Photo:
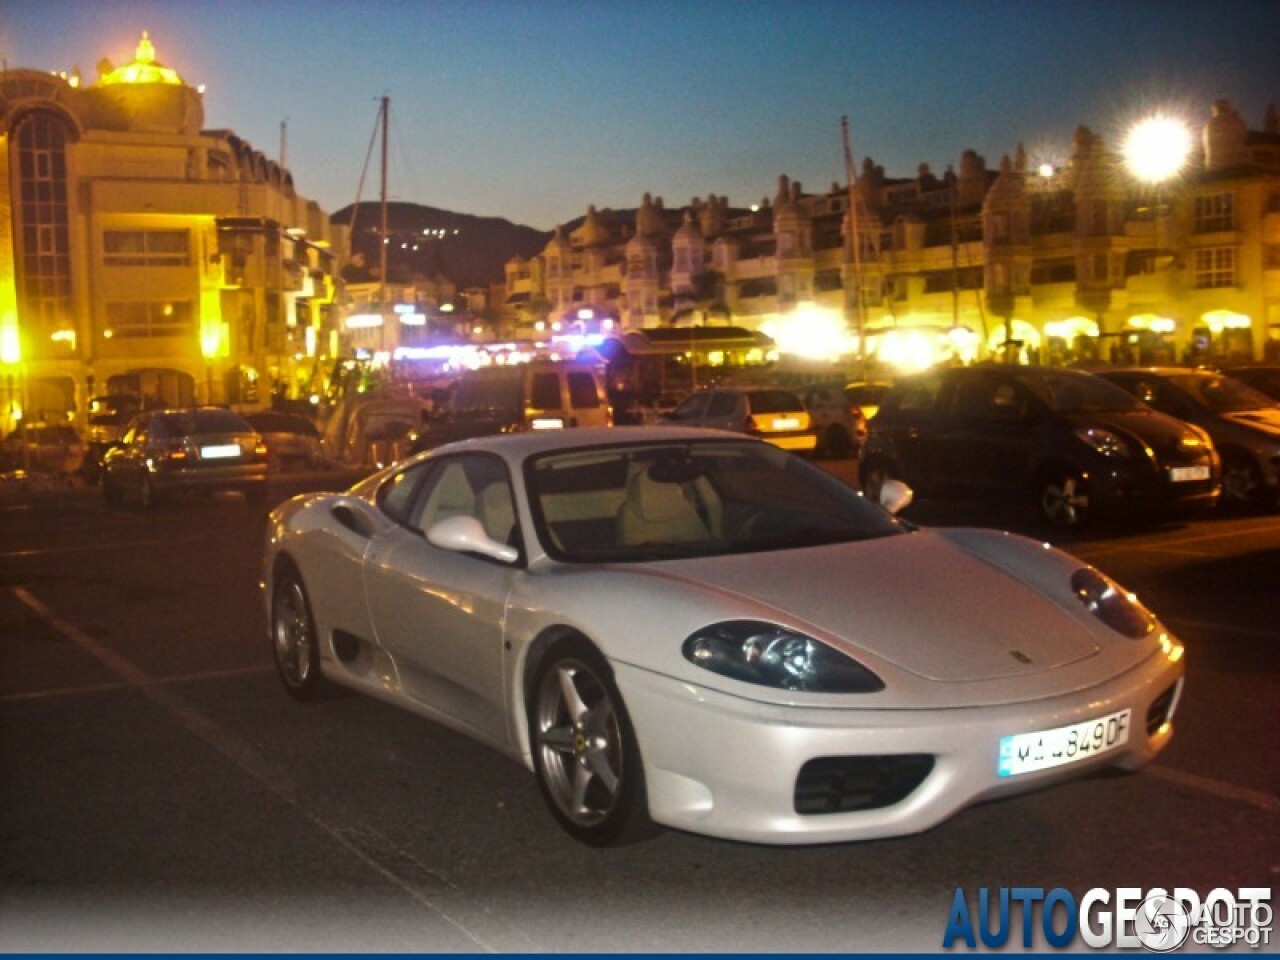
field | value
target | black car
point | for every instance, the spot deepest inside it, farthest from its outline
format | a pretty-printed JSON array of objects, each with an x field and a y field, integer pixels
[
  {"x": 1244, "y": 424},
  {"x": 1070, "y": 443},
  {"x": 1263, "y": 377},
  {"x": 190, "y": 449}
]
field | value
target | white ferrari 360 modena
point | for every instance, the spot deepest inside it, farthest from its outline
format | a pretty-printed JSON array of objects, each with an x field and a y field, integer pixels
[{"x": 695, "y": 629}]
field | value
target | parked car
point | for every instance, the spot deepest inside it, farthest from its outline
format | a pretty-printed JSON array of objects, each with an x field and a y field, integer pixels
[
  {"x": 109, "y": 416},
  {"x": 1263, "y": 377},
  {"x": 367, "y": 432},
  {"x": 1244, "y": 424},
  {"x": 183, "y": 450},
  {"x": 1071, "y": 443},
  {"x": 44, "y": 448},
  {"x": 839, "y": 424},
  {"x": 769, "y": 413},
  {"x": 512, "y": 399},
  {"x": 698, "y": 630},
  {"x": 292, "y": 440}
]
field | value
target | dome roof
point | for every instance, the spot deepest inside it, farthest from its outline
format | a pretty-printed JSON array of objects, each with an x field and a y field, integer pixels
[{"x": 144, "y": 68}]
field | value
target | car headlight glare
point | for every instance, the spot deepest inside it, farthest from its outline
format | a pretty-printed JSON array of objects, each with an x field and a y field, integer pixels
[
  {"x": 1111, "y": 603},
  {"x": 1105, "y": 442},
  {"x": 772, "y": 656}
]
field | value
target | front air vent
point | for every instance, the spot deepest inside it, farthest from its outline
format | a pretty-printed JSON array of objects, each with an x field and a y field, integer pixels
[{"x": 844, "y": 784}]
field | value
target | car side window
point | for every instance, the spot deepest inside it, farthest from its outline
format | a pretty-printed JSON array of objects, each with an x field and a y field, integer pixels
[
  {"x": 468, "y": 485},
  {"x": 691, "y": 408},
  {"x": 396, "y": 496},
  {"x": 722, "y": 404}
]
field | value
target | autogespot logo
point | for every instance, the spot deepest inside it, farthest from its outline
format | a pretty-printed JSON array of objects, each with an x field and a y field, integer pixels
[{"x": 1127, "y": 918}]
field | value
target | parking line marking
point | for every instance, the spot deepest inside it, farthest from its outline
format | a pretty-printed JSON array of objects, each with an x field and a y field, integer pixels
[
  {"x": 62, "y": 692},
  {"x": 356, "y": 839},
  {"x": 1218, "y": 788},
  {"x": 1254, "y": 632},
  {"x": 113, "y": 545}
]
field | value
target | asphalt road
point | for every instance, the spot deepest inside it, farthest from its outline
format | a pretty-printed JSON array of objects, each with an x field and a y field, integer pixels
[{"x": 159, "y": 791}]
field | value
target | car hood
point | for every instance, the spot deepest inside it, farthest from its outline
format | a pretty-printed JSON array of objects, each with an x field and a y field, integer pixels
[
  {"x": 1264, "y": 420},
  {"x": 952, "y": 607},
  {"x": 1156, "y": 429}
]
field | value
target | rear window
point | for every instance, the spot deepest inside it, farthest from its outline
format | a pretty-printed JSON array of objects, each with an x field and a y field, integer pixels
[
  {"x": 194, "y": 423},
  {"x": 478, "y": 393},
  {"x": 583, "y": 394},
  {"x": 544, "y": 391},
  {"x": 774, "y": 401}
]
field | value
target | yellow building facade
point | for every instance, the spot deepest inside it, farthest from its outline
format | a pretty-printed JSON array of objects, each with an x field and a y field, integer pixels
[
  {"x": 142, "y": 254},
  {"x": 1082, "y": 262}
]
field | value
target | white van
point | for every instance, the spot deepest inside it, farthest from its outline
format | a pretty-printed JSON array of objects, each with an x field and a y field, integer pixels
[{"x": 511, "y": 399}]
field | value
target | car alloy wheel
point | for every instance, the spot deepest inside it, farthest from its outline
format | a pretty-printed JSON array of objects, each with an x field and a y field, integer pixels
[
  {"x": 293, "y": 637},
  {"x": 585, "y": 753},
  {"x": 147, "y": 496},
  {"x": 110, "y": 491},
  {"x": 1241, "y": 483},
  {"x": 1064, "y": 500}
]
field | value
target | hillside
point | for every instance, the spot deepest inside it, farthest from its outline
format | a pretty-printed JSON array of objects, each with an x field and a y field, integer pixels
[{"x": 468, "y": 250}]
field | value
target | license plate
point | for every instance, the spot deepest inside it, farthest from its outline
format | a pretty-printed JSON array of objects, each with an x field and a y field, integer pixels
[
  {"x": 1186, "y": 474},
  {"x": 1025, "y": 752},
  {"x": 547, "y": 423},
  {"x": 786, "y": 423},
  {"x": 220, "y": 451}
]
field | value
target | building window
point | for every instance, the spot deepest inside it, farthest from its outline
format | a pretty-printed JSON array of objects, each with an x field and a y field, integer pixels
[
  {"x": 144, "y": 319},
  {"x": 1215, "y": 267},
  {"x": 42, "y": 222},
  {"x": 146, "y": 248},
  {"x": 1215, "y": 213}
]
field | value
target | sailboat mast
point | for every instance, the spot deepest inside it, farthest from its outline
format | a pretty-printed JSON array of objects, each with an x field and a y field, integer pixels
[
  {"x": 382, "y": 252},
  {"x": 855, "y": 232}
]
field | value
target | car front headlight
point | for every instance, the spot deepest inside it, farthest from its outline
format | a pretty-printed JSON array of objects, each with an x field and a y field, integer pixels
[
  {"x": 1106, "y": 442},
  {"x": 1111, "y": 603},
  {"x": 772, "y": 656}
]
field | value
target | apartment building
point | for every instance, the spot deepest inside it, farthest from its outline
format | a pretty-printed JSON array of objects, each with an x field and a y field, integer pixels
[
  {"x": 1076, "y": 262},
  {"x": 141, "y": 253}
]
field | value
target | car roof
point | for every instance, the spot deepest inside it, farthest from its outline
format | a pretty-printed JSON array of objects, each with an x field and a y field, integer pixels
[{"x": 520, "y": 445}]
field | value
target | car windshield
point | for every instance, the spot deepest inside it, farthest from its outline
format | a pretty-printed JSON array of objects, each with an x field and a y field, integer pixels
[
  {"x": 649, "y": 501},
  {"x": 1221, "y": 394},
  {"x": 1074, "y": 393}
]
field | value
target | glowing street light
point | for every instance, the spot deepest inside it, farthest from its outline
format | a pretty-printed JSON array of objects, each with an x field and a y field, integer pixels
[{"x": 1157, "y": 148}]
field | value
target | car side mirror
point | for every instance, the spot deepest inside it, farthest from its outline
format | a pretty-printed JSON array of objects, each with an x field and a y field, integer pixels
[
  {"x": 895, "y": 496},
  {"x": 464, "y": 534}
]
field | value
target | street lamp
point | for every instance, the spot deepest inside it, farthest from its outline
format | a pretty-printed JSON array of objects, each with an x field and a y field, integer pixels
[{"x": 1156, "y": 149}]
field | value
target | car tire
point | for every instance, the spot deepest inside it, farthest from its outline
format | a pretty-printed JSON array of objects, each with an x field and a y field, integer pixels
[
  {"x": 1242, "y": 484},
  {"x": 585, "y": 752},
  {"x": 1062, "y": 499},
  {"x": 148, "y": 496},
  {"x": 294, "y": 644},
  {"x": 871, "y": 478},
  {"x": 110, "y": 491}
]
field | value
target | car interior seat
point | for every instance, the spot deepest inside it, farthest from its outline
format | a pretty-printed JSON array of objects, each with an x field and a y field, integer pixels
[{"x": 657, "y": 510}]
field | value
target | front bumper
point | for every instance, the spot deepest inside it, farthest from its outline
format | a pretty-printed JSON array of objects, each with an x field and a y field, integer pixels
[{"x": 728, "y": 767}]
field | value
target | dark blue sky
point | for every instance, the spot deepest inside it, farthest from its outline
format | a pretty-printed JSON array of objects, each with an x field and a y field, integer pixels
[{"x": 532, "y": 110}]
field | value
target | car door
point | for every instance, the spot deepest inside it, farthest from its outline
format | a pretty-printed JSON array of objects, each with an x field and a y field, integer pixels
[
  {"x": 726, "y": 410},
  {"x": 439, "y": 613},
  {"x": 990, "y": 441},
  {"x": 690, "y": 410}
]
